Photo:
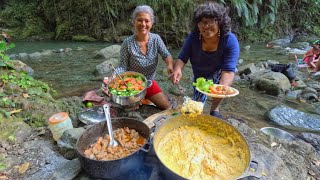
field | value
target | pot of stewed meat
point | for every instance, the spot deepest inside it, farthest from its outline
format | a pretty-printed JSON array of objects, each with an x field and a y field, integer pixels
[{"x": 99, "y": 160}]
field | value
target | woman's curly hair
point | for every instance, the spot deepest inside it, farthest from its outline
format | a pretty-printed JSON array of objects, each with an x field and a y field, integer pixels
[{"x": 212, "y": 10}]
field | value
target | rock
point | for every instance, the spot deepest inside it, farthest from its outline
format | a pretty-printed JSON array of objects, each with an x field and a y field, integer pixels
[
  {"x": 246, "y": 48},
  {"x": 22, "y": 67},
  {"x": 240, "y": 61},
  {"x": 273, "y": 83},
  {"x": 300, "y": 85},
  {"x": 316, "y": 106},
  {"x": 309, "y": 96},
  {"x": 35, "y": 55},
  {"x": 13, "y": 56},
  {"x": 294, "y": 119},
  {"x": 271, "y": 164},
  {"x": 309, "y": 90},
  {"x": 68, "y": 142},
  {"x": 312, "y": 139},
  {"x": 247, "y": 69},
  {"x": 67, "y": 170},
  {"x": 47, "y": 155},
  {"x": 314, "y": 86},
  {"x": 23, "y": 56},
  {"x": 109, "y": 52},
  {"x": 271, "y": 62},
  {"x": 17, "y": 131},
  {"x": 294, "y": 94},
  {"x": 46, "y": 52},
  {"x": 104, "y": 68}
]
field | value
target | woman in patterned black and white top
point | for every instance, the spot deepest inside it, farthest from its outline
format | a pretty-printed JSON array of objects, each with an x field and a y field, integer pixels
[{"x": 139, "y": 53}]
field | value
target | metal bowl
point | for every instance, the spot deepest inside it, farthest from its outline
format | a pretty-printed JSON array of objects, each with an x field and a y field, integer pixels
[
  {"x": 278, "y": 133},
  {"x": 127, "y": 100}
]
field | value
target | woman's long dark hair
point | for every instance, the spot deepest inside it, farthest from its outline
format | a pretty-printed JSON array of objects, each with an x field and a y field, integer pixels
[{"x": 212, "y": 10}]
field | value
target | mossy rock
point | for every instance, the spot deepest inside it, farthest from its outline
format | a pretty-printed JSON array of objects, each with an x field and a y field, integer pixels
[{"x": 14, "y": 130}]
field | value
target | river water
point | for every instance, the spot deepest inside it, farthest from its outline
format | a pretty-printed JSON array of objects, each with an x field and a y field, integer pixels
[{"x": 71, "y": 74}]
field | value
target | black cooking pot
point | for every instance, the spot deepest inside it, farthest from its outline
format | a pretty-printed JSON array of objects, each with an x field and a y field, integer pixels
[{"x": 112, "y": 168}]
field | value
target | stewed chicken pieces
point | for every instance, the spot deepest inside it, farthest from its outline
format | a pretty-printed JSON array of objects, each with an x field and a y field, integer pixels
[{"x": 129, "y": 142}]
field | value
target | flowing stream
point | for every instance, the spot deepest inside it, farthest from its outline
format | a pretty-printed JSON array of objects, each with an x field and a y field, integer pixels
[{"x": 71, "y": 73}]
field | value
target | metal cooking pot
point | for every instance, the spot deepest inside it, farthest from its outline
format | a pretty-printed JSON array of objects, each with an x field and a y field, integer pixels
[
  {"x": 218, "y": 126},
  {"x": 111, "y": 168},
  {"x": 127, "y": 100}
]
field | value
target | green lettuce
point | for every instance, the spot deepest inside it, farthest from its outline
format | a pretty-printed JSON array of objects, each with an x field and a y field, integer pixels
[{"x": 203, "y": 84}]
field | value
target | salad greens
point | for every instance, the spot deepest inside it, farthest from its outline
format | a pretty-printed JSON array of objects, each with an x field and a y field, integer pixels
[
  {"x": 135, "y": 85},
  {"x": 203, "y": 84}
]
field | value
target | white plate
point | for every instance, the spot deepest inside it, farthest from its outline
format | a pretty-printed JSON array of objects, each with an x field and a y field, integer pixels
[{"x": 236, "y": 92}]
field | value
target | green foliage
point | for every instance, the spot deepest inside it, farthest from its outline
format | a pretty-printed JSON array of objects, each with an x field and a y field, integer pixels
[
  {"x": 83, "y": 38},
  {"x": 23, "y": 80},
  {"x": 104, "y": 19},
  {"x": 4, "y": 58},
  {"x": 255, "y": 34}
]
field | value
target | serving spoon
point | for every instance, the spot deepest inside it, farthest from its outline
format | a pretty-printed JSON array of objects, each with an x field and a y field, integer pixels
[
  {"x": 115, "y": 71},
  {"x": 113, "y": 142}
]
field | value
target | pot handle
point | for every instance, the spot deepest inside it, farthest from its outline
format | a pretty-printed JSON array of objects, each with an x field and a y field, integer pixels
[
  {"x": 255, "y": 169},
  {"x": 159, "y": 120},
  {"x": 149, "y": 83},
  {"x": 147, "y": 147}
]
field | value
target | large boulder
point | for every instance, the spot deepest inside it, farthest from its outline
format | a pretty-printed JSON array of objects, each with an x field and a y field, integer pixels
[
  {"x": 109, "y": 52},
  {"x": 294, "y": 119},
  {"x": 21, "y": 67},
  {"x": 104, "y": 68},
  {"x": 273, "y": 83}
]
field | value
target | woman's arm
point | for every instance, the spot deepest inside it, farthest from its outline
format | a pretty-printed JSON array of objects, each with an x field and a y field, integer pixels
[
  {"x": 231, "y": 51},
  {"x": 177, "y": 71},
  {"x": 169, "y": 62},
  {"x": 230, "y": 61},
  {"x": 183, "y": 58},
  {"x": 165, "y": 54},
  {"x": 226, "y": 78}
]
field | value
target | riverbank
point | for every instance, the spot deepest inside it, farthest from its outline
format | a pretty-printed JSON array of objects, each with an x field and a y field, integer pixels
[{"x": 39, "y": 156}]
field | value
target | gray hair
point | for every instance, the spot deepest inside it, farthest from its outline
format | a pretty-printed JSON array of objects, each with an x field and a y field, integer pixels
[{"x": 143, "y": 9}]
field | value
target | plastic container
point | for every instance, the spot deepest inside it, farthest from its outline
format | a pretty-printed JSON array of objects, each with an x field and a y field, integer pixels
[{"x": 58, "y": 123}]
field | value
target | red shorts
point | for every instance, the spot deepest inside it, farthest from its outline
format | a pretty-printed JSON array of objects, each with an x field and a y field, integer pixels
[{"x": 153, "y": 90}]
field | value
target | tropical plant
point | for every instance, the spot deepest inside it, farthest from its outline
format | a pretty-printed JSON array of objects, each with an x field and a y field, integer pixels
[
  {"x": 110, "y": 19},
  {"x": 4, "y": 58}
]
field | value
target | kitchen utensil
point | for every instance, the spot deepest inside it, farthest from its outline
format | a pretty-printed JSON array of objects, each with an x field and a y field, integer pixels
[
  {"x": 115, "y": 71},
  {"x": 216, "y": 126},
  {"x": 109, "y": 169},
  {"x": 128, "y": 100},
  {"x": 106, "y": 109},
  {"x": 278, "y": 133}
]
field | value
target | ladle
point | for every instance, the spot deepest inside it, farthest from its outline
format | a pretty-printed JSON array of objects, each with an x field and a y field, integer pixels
[
  {"x": 115, "y": 71},
  {"x": 106, "y": 109}
]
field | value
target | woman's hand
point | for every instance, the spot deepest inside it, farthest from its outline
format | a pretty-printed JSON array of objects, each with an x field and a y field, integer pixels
[
  {"x": 170, "y": 68},
  {"x": 106, "y": 81},
  {"x": 169, "y": 62},
  {"x": 176, "y": 75}
]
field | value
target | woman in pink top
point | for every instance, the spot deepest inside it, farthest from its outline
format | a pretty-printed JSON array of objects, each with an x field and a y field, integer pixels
[{"x": 312, "y": 55}]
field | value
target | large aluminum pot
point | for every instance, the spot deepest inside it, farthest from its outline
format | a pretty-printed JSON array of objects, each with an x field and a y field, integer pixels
[
  {"x": 127, "y": 100},
  {"x": 112, "y": 168},
  {"x": 217, "y": 126}
]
